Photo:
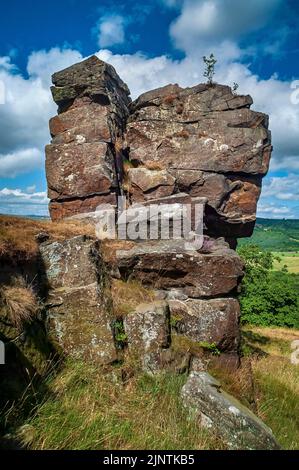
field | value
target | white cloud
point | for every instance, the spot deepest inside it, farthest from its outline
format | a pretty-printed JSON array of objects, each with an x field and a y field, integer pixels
[
  {"x": 274, "y": 211},
  {"x": 24, "y": 118},
  {"x": 213, "y": 21},
  {"x": 42, "y": 64},
  {"x": 16, "y": 201},
  {"x": 110, "y": 30},
  {"x": 284, "y": 188},
  {"x": 20, "y": 162}
]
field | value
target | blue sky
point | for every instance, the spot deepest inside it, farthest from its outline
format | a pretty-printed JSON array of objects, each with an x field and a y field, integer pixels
[{"x": 150, "y": 44}]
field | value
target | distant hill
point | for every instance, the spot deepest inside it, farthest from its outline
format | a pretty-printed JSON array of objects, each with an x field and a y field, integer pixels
[{"x": 275, "y": 235}]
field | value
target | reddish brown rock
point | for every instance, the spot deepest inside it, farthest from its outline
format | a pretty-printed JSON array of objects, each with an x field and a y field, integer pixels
[
  {"x": 83, "y": 161},
  {"x": 87, "y": 123},
  {"x": 85, "y": 206},
  {"x": 166, "y": 265},
  {"x": 94, "y": 79},
  {"x": 148, "y": 184},
  {"x": 209, "y": 140},
  {"x": 79, "y": 170}
]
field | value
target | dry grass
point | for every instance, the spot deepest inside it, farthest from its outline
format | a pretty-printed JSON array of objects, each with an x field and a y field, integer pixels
[
  {"x": 128, "y": 295},
  {"x": 90, "y": 410},
  {"x": 17, "y": 235},
  {"x": 21, "y": 303},
  {"x": 110, "y": 247},
  {"x": 268, "y": 382}
]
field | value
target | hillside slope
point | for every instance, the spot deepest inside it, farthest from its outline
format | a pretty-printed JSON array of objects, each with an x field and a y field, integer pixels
[{"x": 275, "y": 235}]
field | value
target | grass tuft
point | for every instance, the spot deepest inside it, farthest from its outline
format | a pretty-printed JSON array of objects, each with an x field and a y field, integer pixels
[{"x": 21, "y": 303}]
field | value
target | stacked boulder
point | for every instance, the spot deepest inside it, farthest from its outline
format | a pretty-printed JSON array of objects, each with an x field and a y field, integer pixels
[
  {"x": 204, "y": 141},
  {"x": 81, "y": 162}
]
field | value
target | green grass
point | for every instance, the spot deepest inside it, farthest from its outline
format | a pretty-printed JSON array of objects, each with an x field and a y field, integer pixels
[
  {"x": 86, "y": 409},
  {"x": 267, "y": 381},
  {"x": 290, "y": 259}
]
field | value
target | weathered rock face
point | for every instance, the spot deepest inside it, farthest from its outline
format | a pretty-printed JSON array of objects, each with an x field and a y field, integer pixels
[
  {"x": 79, "y": 310},
  {"x": 81, "y": 162},
  {"x": 223, "y": 414},
  {"x": 212, "y": 321},
  {"x": 196, "y": 146},
  {"x": 165, "y": 264},
  {"x": 205, "y": 141},
  {"x": 148, "y": 333}
]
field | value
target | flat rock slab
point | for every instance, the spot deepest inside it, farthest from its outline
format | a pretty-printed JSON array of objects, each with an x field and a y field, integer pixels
[
  {"x": 224, "y": 415},
  {"x": 84, "y": 209},
  {"x": 213, "y": 321},
  {"x": 167, "y": 265}
]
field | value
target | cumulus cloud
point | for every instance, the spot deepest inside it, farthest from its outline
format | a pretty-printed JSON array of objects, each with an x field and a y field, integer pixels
[
  {"x": 29, "y": 105},
  {"x": 213, "y": 21},
  {"x": 16, "y": 201},
  {"x": 274, "y": 211},
  {"x": 27, "y": 109},
  {"x": 284, "y": 188},
  {"x": 24, "y": 117},
  {"x": 20, "y": 162},
  {"x": 110, "y": 30},
  {"x": 42, "y": 64}
]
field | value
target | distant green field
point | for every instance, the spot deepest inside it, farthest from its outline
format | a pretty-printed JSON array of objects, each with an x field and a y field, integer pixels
[
  {"x": 275, "y": 235},
  {"x": 289, "y": 259}
]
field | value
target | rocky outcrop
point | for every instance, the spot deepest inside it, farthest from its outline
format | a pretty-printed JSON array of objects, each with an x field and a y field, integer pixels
[
  {"x": 204, "y": 141},
  {"x": 82, "y": 161},
  {"x": 170, "y": 148},
  {"x": 179, "y": 144},
  {"x": 173, "y": 148},
  {"x": 217, "y": 410}
]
